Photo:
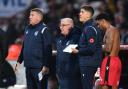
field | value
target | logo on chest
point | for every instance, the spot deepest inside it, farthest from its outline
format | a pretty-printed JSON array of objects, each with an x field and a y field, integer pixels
[
  {"x": 26, "y": 32},
  {"x": 36, "y": 33},
  {"x": 68, "y": 43}
]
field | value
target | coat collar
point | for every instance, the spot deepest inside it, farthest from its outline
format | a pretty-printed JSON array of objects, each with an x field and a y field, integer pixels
[{"x": 89, "y": 22}]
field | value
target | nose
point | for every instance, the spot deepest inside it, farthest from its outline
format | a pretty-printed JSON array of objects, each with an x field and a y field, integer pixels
[
  {"x": 30, "y": 17},
  {"x": 61, "y": 30},
  {"x": 79, "y": 13}
]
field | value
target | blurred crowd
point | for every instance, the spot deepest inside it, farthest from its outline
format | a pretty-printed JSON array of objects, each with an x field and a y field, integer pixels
[{"x": 56, "y": 9}]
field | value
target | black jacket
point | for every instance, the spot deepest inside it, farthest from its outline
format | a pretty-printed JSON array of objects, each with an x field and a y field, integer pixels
[{"x": 3, "y": 45}]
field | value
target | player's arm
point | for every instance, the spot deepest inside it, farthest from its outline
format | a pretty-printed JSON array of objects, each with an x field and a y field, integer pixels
[
  {"x": 110, "y": 41},
  {"x": 90, "y": 46},
  {"x": 116, "y": 44},
  {"x": 47, "y": 43}
]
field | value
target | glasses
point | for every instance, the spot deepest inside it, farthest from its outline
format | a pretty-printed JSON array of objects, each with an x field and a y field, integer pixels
[{"x": 63, "y": 25}]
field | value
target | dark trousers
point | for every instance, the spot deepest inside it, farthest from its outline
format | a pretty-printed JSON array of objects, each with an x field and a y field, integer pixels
[
  {"x": 70, "y": 84},
  {"x": 87, "y": 76},
  {"x": 33, "y": 81}
]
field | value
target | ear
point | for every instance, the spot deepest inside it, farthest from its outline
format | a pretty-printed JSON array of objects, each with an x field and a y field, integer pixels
[
  {"x": 103, "y": 20},
  {"x": 89, "y": 17},
  {"x": 39, "y": 17}
]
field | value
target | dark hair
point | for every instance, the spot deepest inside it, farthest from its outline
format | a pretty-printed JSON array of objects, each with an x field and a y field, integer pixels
[
  {"x": 38, "y": 11},
  {"x": 88, "y": 8},
  {"x": 104, "y": 16}
]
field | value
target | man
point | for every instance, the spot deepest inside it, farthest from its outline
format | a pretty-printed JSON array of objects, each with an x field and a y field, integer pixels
[
  {"x": 111, "y": 64},
  {"x": 67, "y": 68},
  {"x": 6, "y": 71},
  {"x": 36, "y": 51},
  {"x": 89, "y": 48}
]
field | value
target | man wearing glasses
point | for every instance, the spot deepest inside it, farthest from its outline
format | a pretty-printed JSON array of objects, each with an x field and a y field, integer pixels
[{"x": 67, "y": 68}]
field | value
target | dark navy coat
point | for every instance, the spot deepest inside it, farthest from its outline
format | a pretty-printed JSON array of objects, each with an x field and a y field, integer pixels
[
  {"x": 90, "y": 45},
  {"x": 37, "y": 50},
  {"x": 67, "y": 63}
]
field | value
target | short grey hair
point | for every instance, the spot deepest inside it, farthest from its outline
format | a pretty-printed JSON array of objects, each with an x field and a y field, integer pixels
[
  {"x": 38, "y": 10},
  {"x": 68, "y": 20}
]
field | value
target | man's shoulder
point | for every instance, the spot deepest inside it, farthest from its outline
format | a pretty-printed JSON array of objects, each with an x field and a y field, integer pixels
[
  {"x": 43, "y": 25},
  {"x": 117, "y": 32},
  {"x": 76, "y": 30},
  {"x": 114, "y": 30},
  {"x": 92, "y": 28}
]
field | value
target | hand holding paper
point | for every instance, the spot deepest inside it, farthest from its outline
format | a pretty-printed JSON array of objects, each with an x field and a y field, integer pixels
[
  {"x": 40, "y": 75},
  {"x": 69, "y": 48},
  {"x": 74, "y": 50}
]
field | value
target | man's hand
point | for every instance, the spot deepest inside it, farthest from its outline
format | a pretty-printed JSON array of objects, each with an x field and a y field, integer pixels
[
  {"x": 17, "y": 66},
  {"x": 97, "y": 74},
  {"x": 45, "y": 70},
  {"x": 75, "y": 50}
]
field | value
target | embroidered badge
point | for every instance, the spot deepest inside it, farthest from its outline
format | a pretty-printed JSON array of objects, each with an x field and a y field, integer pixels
[
  {"x": 26, "y": 32},
  {"x": 91, "y": 40},
  {"x": 36, "y": 33},
  {"x": 67, "y": 43},
  {"x": 59, "y": 41}
]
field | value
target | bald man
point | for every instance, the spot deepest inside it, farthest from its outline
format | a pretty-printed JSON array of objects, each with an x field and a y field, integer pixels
[
  {"x": 111, "y": 65},
  {"x": 67, "y": 63}
]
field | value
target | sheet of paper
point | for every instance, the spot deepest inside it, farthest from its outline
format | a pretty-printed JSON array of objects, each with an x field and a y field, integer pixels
[
  {"x": 40, "y": 75},
  {"x": 69, "y": 48}
]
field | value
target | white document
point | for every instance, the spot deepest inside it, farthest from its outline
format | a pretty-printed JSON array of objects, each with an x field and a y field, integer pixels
[
  {"x": 40, "y": 75},
  {"x": 69, "y": 48}
]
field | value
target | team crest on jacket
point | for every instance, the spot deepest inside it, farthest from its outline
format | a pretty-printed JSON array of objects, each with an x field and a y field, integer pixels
[
  {"x": 59, "y": 41},
  {"x": 26, "y": 32},
  {"x": 91, "y": 40},
  {"x": 68, "y": 43},
  {"x": 36, "y": 33}
]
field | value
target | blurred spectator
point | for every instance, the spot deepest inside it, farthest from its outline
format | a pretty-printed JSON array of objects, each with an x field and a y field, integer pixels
[
  {"x": 125, "y": 4},
  {"x": 9, "y": 28},
  {"x": 126, "y": 39},
  {"x": 42, "y": 4},
  {"x": 14, "y": 50},
  {"x": 119, "y": 18},
  {"x": 7, "y": 75},
  {"x": 13, "y": 54}
]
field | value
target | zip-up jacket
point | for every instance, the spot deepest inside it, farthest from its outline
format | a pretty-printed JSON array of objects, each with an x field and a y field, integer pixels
[
  {"x": 37, "y": 49},
  {"x": 67, "y": 65},
  {"x": 90, "y": 45}
]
